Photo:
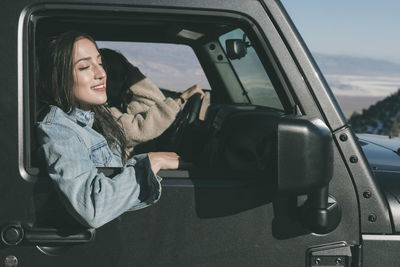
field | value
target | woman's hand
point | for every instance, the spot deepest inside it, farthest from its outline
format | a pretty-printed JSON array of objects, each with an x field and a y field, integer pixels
[
  {"x": 163, "y": 161},
  {"x": 191, "y": 91}
]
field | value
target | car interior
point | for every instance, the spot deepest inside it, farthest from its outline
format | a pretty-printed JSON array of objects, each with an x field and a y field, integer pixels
[{"x": 246, "y": 99}]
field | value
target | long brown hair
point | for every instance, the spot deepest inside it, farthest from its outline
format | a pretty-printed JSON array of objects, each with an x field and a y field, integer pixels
[{"x": 56, "y": 83}]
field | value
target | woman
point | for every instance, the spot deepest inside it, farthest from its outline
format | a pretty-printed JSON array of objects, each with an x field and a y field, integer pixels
[
  {"x": 136, "y": 102},
  {"x": 78, "y": 134}
]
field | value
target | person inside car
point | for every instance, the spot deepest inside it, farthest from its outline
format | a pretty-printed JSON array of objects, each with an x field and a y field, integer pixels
[
  {"x": 136, "y": 102},
  {"x": 77, "y": 134}
]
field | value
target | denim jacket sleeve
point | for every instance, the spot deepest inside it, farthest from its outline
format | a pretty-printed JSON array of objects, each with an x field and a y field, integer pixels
[{"x": 90, "y": 196}]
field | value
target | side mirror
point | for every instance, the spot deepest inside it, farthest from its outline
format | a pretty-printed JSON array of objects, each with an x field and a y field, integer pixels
[
  {"x": 305, "y": 155},
  {"x": 305, "y": 167},
  {"x": 295, "y": 156},
  {"x": 236, "y": 48}
]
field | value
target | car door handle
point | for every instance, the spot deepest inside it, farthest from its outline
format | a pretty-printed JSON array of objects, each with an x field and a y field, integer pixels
[{"x": 13, "y": 234}]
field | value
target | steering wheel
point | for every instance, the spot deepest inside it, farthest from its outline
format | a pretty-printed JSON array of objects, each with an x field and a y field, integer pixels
[{"x": 184, "y": 119}]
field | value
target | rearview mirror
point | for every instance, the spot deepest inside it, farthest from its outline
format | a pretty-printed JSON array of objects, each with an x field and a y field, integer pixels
[{"x": 236, "y": 48}]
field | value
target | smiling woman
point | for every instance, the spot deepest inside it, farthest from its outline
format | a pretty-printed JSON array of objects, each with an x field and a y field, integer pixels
[{"x": 78, "y": 134}]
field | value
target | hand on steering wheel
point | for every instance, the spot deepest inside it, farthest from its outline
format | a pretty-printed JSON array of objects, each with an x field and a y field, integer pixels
[{"x": 195, "y": 89}]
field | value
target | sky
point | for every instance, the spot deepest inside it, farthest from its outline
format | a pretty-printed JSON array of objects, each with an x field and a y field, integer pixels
[{"x": 363, "y": 28}]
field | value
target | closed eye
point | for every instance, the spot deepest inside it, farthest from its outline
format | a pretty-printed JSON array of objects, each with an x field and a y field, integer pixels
[{"x": 84, "y": 68}]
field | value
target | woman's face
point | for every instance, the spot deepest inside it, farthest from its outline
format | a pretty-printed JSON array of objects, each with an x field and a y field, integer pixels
[{"x": 89, "y": 75}]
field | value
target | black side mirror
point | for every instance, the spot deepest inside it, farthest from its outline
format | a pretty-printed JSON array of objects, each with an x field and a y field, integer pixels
[
  {"x": 305, "y": 155},
  {"x": 294, "y": 154},
  {"x": 236, "y": 48},
  {"x": 305, "y": 167}
]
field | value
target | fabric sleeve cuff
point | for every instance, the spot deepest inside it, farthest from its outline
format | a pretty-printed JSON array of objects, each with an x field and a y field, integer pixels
[{"x": 150, "y": 185}]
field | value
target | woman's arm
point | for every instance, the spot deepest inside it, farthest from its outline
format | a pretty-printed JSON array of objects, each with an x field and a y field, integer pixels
[
  {"x": 163, "y": 161},
  {"x": 146, "y": 93},
  {"x": 150, "y": 114},
  {"x": 143, "y": 126},
  {"x": 91, "y": 197}
]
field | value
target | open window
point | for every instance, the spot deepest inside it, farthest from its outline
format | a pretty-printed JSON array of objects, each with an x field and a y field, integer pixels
[
  {"x": 172, "y": 67},
  {"x": 245, "y": 90}
]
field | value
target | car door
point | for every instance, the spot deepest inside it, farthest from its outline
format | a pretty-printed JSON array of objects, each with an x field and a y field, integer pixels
[{"x": 213, "y": 215}]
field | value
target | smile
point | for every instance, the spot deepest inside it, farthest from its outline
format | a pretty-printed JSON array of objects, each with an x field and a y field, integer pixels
[{"x": 100, "y": 87}]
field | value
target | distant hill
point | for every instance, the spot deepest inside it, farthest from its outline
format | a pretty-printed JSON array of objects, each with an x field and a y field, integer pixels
[
  {"x": 381, "y": 118},
  {"x": 347, "y": 65},
  {"x": 358, "y": 82}
]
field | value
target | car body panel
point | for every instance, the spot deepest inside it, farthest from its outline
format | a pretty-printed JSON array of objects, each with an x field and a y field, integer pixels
[{"x": 381, "y": 151}]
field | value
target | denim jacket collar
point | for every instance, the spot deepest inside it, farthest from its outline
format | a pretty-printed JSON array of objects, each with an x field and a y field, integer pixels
[{"x": 84, "y": 117}]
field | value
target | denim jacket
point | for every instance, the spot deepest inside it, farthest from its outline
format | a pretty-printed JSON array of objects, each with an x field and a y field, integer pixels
[{"x": 73, "y": 150}]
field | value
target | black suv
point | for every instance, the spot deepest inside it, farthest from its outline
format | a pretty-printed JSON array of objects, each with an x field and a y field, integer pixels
[{"x": 273, "y": 174}]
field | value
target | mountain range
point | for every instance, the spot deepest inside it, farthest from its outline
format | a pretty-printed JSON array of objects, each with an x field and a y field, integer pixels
[
  {"x": 359, "y": 83},
  {"x": 362, "y": 79},
  {"x": 348, "y": 65},
  {"x": 380, "y": 118}
]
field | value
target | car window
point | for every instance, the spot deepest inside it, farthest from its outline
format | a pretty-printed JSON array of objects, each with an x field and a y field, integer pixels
[
  {"x": 252, "y": 74},
  {"x": 172, "y": 62},
  {"x": 171, "y": 67}
]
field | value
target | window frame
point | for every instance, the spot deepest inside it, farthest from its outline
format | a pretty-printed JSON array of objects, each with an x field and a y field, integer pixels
[{"x": 27, "y": 28}]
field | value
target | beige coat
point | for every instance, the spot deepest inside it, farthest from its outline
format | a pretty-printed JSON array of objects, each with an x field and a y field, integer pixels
[{"x": 148, "y": 116}]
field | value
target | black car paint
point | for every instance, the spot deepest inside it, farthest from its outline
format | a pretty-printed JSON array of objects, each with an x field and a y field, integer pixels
[
  {"x": 381, "y": 151},
  {"x": 198, "y": 221}
]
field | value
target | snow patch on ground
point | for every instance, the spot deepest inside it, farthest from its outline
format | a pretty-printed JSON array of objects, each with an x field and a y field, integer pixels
[{"x": 358, "y": 85}]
